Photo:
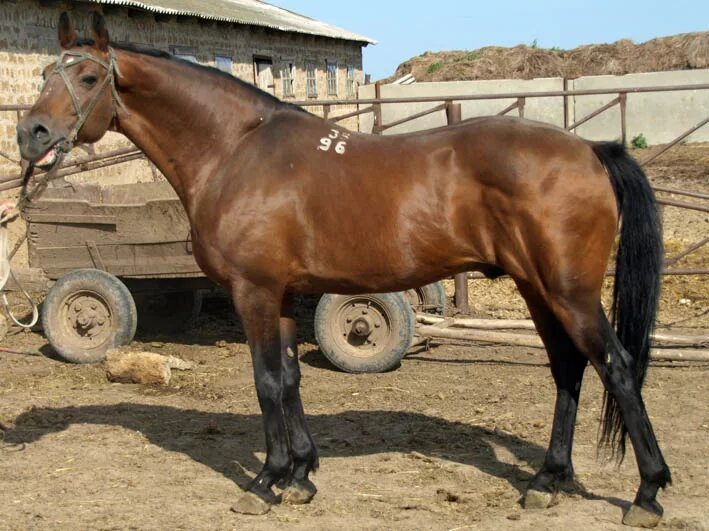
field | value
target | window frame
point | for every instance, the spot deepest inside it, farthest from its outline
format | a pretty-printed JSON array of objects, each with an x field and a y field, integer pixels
[
  {"x": 351, "y": 81},
  {"x": 311, "y": 82},
  {"x": 288, "y": 66},
  {"x": 332, "y": 82}
]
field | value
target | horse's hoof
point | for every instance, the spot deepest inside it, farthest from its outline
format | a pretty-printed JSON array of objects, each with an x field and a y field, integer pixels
[
  {"x": 299, "y": 493},
  {"x": 640, "y": 517},
  {"x": 537, "y": 499},
  {"x": 250, "y": 503}
]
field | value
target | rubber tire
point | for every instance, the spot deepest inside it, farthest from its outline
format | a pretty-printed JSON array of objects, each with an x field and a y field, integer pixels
[
  {"x": 433, "y": 294},
  {"x": 400, "y": 312},
  {"x": 115, "y": 294}
]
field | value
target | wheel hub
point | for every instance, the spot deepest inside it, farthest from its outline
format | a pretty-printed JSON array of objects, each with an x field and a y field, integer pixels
[
  {"x": 362, "y": 326},
  {"x": 87, "y": 316}
]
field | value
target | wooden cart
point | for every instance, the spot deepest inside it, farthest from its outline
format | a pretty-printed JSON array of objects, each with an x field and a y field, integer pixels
[{"x": 106, "y": 247}]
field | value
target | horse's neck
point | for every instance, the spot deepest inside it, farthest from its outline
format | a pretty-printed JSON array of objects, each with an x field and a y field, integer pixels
[{"x": 187, "y": 121}]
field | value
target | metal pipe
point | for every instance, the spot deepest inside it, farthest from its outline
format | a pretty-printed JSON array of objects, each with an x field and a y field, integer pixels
[
  {"x": 413, "y": 117},
  {"x": 688, "y": 250},
  {"x": 91, "y": 166},
  {"x": 352, "y": 114},
  {"x": 509, "y": 95},
  {"x": 683, "y": 204},
  {"x": 680, "y": 192},
  {"x": 676, "y": 141},
  {"x": 595, "y": 113}
]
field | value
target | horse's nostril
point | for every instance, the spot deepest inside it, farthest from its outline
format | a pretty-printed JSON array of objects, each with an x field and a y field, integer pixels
[{"x": 40, "y": 133}]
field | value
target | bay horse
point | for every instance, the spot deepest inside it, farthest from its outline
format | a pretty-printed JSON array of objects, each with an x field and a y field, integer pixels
[{"x": 283, "y": 202}]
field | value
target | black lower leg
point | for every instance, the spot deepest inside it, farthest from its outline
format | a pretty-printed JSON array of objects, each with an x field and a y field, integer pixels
[
  {"x": 618, "y": 375},
  {"x": 302, "y": 447},
  {"x": 259, "y": 310},
  {"x": 557, "y": 471}
]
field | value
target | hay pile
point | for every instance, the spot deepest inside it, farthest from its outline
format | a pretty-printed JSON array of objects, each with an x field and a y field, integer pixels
[{"x": 678, "y": 52}]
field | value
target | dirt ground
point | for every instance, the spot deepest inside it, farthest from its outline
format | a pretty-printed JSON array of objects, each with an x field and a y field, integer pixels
[{"x": 446, "y": 442}]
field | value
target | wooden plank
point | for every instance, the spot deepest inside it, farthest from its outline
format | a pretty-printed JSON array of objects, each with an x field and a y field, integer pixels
[
  {"x": 91, "y": 219},
  {"x": 164, "y": 258},
  {"x": 685, "y": 340}
]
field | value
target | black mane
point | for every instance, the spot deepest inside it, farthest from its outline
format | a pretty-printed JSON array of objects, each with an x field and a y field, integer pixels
[{"x": 152, "y": 52}]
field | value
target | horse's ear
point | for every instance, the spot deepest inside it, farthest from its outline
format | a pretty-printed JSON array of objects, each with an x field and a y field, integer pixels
[
  {"x": 99, "y": 33},
  {"x": 66, "y": 33}
]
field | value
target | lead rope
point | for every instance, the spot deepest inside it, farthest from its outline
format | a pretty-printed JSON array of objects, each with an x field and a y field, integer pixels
[{"x": 5, "y": 267}]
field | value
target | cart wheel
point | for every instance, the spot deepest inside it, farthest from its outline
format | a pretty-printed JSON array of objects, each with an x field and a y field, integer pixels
[
  {"x": 430, "y": 298},
  {"x": 87, "y": 312},
  {"x": 364, "y": 333}
]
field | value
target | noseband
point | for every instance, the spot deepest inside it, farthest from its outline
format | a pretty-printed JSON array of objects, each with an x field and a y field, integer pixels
[{"x": 68, "y": 59}]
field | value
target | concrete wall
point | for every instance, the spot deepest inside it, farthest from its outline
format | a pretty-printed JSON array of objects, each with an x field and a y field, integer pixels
[{"x": 660, "y": 116}]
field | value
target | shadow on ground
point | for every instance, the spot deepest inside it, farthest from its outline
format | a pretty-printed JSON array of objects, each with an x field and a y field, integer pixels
[{"x": 218, "y": 440}]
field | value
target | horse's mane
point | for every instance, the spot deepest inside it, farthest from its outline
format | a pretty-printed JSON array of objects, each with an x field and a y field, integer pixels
[{"x": 152, "y": 52}]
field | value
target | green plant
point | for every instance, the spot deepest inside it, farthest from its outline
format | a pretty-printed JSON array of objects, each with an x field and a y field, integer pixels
[
  {"x": 434, "y": 67},
  {"x": 639, "y": 141},
  {"x": 474, "y": 55},
  {"x": 534, "y": 44}
]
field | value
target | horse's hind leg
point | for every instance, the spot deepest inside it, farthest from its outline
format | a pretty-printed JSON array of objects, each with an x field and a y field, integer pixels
[
  {"x": 305, "y": 458},
  {"x": 567, "y": 367},
  {"x": 617, "y": 371},
  {"x": 589, "y": 329}
]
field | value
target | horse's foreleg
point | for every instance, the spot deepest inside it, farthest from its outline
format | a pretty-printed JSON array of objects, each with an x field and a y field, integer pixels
[
  {"x": 305, "y": 458},
  {"x": 567, "y": 367},
  {"x": 259, "y": 309}
]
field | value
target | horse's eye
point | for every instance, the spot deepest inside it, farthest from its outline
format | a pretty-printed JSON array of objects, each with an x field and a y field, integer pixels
[{"x": 89, "y": 81}]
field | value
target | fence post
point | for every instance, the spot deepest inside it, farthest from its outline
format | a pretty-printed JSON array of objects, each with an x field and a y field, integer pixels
[
  {"x": 622, "y": 100},
  {"x": 376, "y": 127},
  {"x": 520, "y": 106},
  {"x": 454, "y": 116},
  {"x": 326, "y": 111},
  {"x": 566, "y": 103}
]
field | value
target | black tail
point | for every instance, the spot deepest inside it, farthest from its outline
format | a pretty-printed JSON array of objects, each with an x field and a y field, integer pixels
[{"x": 638, "y": 266}]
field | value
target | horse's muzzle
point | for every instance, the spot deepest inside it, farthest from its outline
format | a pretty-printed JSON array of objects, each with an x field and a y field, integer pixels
[{"x": 36, "y": 139}]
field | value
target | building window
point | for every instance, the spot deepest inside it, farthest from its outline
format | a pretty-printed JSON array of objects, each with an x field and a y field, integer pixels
[
  {"x": 331, "y": 78},
  {"x": 350, "y": 81},
  {"x": 223, "y": 63},
  {"x": 288, "y": 76},
  {"x": 312, "y": 80},
  {"x": 263, "y": 74}
]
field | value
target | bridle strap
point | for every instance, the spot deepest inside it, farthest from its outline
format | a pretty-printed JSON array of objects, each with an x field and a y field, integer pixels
[
  {"x": 109, "y": 81},
  {"x": 26, "y": 195}
]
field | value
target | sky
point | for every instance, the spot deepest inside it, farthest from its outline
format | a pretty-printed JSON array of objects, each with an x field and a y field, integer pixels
[{"x": 405, "y": 29}]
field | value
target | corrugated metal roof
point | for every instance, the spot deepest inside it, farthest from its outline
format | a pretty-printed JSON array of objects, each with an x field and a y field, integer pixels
[{"x": 252, "y": 12}]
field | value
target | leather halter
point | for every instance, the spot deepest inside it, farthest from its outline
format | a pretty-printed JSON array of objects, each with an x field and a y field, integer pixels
[{"x": 66, "y": 60}]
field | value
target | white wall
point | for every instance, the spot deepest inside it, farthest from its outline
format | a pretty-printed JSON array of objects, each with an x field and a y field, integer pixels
[{"x": 659, "y": 116}]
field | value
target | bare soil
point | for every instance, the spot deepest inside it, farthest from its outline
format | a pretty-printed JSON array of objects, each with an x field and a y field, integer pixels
[{"x": 446, "y": 442}]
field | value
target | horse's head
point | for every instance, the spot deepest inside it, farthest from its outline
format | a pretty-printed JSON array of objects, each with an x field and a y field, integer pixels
[{"x": 78, "y": 101}]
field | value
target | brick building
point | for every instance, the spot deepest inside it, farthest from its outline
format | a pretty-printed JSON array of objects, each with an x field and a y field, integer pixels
[{"x": 287, "y": 54}]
